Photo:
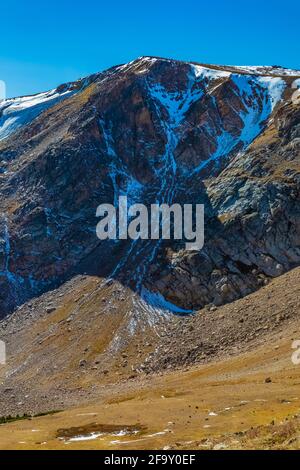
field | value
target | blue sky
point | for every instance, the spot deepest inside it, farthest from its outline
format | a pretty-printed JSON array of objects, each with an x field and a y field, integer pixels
[{"x": 48, "y": 43}]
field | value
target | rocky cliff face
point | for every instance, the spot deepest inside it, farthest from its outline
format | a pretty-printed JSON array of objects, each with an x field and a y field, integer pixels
[{"x": 158, "y": 131}]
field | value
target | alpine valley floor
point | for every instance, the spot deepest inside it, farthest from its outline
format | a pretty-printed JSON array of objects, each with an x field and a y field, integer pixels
[{"x": 246, "y": 395}]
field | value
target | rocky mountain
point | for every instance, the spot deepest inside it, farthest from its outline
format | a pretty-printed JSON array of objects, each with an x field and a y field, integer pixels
[{"x": 156, "y": 130}]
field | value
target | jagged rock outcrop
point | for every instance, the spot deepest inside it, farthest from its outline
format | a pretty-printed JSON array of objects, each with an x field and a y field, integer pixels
[{"x": 255, "y": 200}]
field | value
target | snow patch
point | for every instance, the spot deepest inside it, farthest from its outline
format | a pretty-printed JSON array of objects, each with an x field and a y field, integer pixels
[
  {"x": 210, "y": 74},
  {"x": 17, "y": 112},
  {"x": 89, "y": 437},
  {"x": 296, "y": 94},
  {"x": 274, "y": 87},
  {"x": 296, "y": 83},
  {"x": 158, "y": 302}
]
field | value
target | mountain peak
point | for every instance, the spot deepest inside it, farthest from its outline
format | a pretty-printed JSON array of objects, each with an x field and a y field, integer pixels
[{"x": 147, "y": 128}]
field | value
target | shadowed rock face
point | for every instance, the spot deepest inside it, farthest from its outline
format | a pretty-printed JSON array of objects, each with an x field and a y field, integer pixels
[{"x": 159, "y": 131}]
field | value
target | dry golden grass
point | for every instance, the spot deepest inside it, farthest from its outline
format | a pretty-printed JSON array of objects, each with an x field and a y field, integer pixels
[{"x": 227, "y": 403}]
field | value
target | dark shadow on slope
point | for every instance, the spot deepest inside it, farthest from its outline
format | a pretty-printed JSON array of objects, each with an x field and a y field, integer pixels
[{"x": 138, "y": 264}]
